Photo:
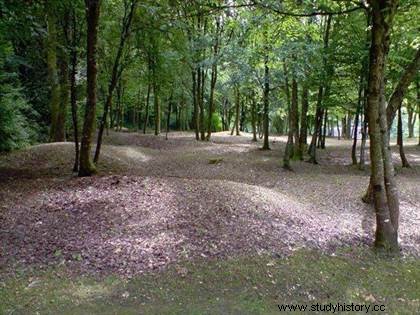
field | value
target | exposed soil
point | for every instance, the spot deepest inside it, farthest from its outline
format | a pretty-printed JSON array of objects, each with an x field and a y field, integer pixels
[{"x": 158, "y": 201}]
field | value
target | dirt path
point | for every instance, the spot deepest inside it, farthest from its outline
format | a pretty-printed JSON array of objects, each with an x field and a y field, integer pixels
[{"x": 159, "y": 201}]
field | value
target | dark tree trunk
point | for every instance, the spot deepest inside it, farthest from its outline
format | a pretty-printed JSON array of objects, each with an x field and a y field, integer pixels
[
  {"x": 295, "y": 116},
  {"x": 400, "y": 141},
  {"x": 168, "y": 117},
  {"x": 146, "y": 118},
  {"x": 195, "y": 96},
  {"x": 253, "y": 117},
  {"x": 324, "y": 132},
  {"x": 266, "y": 123},
  {"x": 338, "y": 130},
  {"x": 87, "y": 167},
  {"x": 237, "y": 112},
  {"x": 213, "y": 79},
  {"x": 317, "y": 127},
  {"x": 356, "y": 118},
  {"x": 322, "y": 92},
  {"x": 73, "y": 92},
  {"x": 304, "y": 122},
  {"x": 411, "y": 120}
]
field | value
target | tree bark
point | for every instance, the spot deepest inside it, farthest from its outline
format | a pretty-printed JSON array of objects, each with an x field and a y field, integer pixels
[
  {"x": 411, "y": 120},
  {"x": 213, "y": 78},
  {"x": 73, "y": 92},
  {"x": 266, "y": 123},
  {"x": 304, "y": 122},
  {"x": 146, "y": 118},
  {"x": 254, "y": 117},
  {"x": 87, "y": 167},
  {"x": 384, "y": 190},
  {"x": 400, "y": 141},
  {"x": 195, "y": 96}
]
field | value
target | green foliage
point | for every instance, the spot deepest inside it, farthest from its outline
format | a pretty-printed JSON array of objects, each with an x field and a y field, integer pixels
[
  {"x": 216, "y": 122},
  {"x": 16, "y": 130},
  {"x": 16, "y": 126}
]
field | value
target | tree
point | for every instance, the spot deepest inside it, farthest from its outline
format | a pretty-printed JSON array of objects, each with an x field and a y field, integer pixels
[
  {"x": 87, "y": 167},
  {"x": 385, "y": 193},
  {"x": 117, "y": 69}
]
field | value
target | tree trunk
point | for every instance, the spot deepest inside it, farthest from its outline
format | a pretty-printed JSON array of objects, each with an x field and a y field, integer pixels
[
  {"x": 87, "y": 167},
  {"x": 213, "y": 79},
  {"x": 253, "y": 117},
  {"x": 317, "y": 127},
  {"x": 266, "y": 145},
  {"x": 304, "y": 122},
  {"x": 116, "y": 73},
  {"x": 237, "y": 108},
  {"x": 146, "y": 118},
  {"x": 411, "y": 120},
  {"x": 73, "y": 92},
  {"x": 295, "y": 116},
  {"x": 195, "y": 96},
  {"x": 400, "y": 141},
  {"x": 356, "y": 118},
  {"x": 384, "y": 189},
  {"x": 168, "y": 118},
  {"x": 324, "y": 129}
]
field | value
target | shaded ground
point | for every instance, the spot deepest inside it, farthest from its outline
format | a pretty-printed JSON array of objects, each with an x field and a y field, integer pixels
[
  {"x": 241, "y": 285},
  {"x": 158, "y": 201}
]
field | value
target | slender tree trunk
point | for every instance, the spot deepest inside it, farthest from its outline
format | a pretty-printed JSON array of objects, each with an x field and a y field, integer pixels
[
  {"x": 304, "y": 122},
  {"x": 213, "y": 79},
  {"x": 237, "y": 108},
  {"x": 295, "y": 115},
  {"x": 73, "y": 92},
  {"x": 338, "y": 130},
  {"x": 116, "y": 73},
  {"x": 266, "y": 145},
  {"x": 322, "y": 92},
  {"x": 87, "y": 167},
  {"x": 356, "y": 118},
  {"x": 253, "y": 117},
  {"x": 146, "y": 118},
  {"x": 317, "y": 127},
  {"x": 400, "y": 141},
  {"x": 195, "y": 105},
  {"x": 168, "y": 118},
  {"x": 324, "y": 132},
  {"x": 418, "y": 101},
  {"x": 411, "y": 121},
  {"x": 383, "y": 183},
  {"x": 156, "y": 106}
]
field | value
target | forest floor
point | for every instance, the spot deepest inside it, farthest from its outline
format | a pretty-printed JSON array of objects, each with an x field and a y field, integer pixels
[{"x": 182, "y": 209}]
